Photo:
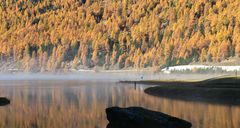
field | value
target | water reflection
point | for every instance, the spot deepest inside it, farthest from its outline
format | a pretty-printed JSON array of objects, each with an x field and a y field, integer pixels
[{"x": 54, "y": 104}]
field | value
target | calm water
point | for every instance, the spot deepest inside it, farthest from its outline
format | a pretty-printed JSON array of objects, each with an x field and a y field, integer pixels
[{"x": 76, "y": 104}]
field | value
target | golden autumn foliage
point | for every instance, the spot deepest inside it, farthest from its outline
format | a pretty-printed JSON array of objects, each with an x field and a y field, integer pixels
[{"x": 48, "y": 35}]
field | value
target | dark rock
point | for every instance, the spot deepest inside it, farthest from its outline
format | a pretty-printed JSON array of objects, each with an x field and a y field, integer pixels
[
  {"x": 4, "y": 101},
  {"x": 137, "y": 117}
]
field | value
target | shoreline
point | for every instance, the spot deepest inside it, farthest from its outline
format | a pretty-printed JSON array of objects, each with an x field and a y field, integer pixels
[{"x": 220, "y": 90}]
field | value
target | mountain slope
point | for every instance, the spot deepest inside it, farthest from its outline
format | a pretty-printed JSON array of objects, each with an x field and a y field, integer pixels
[{"x": 40, "y": 35}]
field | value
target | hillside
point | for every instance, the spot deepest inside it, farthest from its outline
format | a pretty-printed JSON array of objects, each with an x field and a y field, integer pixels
[{"x": 53, "y": 35}]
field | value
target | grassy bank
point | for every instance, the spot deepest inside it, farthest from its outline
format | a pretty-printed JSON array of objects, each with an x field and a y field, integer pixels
[{"x": 221, "y": 90}]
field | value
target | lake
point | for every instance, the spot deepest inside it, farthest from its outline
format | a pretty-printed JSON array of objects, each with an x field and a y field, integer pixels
[{"x": 82, "y": 104}]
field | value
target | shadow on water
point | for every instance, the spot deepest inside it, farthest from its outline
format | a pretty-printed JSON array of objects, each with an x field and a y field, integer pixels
[
  {"x": 204, "y": 95},
  {"x": 4, "y": 101}
]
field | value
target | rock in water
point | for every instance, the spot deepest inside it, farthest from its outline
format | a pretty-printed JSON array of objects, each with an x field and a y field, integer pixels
[
  {"x": 4, "y": 101},
  {"x": 137, "y": 117}
]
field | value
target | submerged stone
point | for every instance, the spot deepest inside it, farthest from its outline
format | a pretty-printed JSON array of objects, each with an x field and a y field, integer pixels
[
  {"x": 4, "y": 101},
  {"x": 137, "y": 117}
]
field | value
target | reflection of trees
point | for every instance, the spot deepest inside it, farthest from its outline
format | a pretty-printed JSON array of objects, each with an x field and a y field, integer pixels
[{"x": 60, "y": 106}]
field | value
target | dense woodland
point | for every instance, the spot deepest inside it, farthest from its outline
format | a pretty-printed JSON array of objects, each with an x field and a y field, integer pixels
[{"x": 53, "y": 35}]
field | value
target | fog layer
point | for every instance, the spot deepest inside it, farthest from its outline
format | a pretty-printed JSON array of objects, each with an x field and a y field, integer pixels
[{"x": 106, "y": 76}]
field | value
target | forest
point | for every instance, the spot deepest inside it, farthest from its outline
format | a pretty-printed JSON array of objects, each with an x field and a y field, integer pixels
[{"x": 58, "y": 35}]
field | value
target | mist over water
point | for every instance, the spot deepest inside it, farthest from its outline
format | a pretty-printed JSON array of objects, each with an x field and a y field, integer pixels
[
  {"x": 74, "y": 103},
  {"x": 105, "y": 76}
]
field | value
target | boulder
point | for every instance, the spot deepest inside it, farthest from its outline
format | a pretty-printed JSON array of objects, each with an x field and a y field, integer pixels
[
  {"x": 137, "y": 117},
  {"x": 4, "y": 101}
]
